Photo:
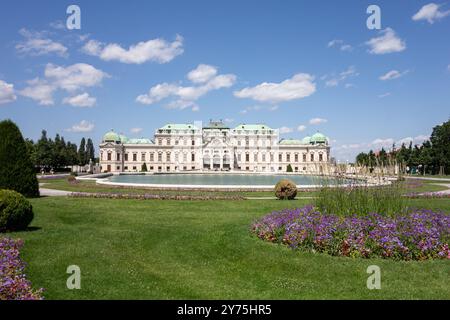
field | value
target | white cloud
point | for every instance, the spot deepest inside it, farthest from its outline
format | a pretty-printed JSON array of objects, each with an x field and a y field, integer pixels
[
  {"x": 202, "y": 73},
  {"x": 431, "y": 13},
  {"x": 383, "y": 142},
  {"x": 415, "y": 140},
  {"x": 58, "y": 25},
  {"x": 448, "y": 67},
  {"x": 81, "y": 100},
  {"x": 384, "y": 95},
  {"x": 83, "y": 126},
  {"x": 37, "y": 44},
  {"x": 228, "y": 120},
  {"x": 39, "y": 90},
  {"x": 74, "y": 77},
  {"x": 136, "y": 130},
  {"x": 387, "y": 42},
  {"x": 299, "y": 86},
  {"x": 334, "y": 80},
  {"x": 393, "y": 74},
  {"x": 7, "y": 92},
  {"x": 340, "y": 44},
  {"x": 301, "y": 128},
  {"x": 157, "y": 50},
  {"x": 317, "y": 121},
  {"x": 284, "y": 130},
  {"x": 71, "y": 79},
  {"x": 349, "y": 85},
  {"x": 185, "y": 96}
]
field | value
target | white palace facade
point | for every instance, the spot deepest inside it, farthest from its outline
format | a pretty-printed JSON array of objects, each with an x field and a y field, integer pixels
[{"x": 215, "y": 147}]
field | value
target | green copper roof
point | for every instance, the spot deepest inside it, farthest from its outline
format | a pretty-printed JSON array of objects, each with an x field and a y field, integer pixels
[
  {"x": 215, "y": 125},
  {"x": 123, "y": 139},
  {"x": 306, "y": 140},
  {"x": 318, "y": 138},
  {"x": 291, "y": 142},
  {"x": 252, "y": 127},
  {"x": 179, "y": 126},
  {"x": 111, "y": 136}
]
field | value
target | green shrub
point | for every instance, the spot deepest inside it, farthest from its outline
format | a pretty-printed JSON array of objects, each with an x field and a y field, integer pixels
[
  {"x": 144, "y": 167},
  {"x": 289, "y": 168},
  {"x": 16, "y": 211},
  {"x": 17, "y": 172},
  {"x": 285, "y": 190}
]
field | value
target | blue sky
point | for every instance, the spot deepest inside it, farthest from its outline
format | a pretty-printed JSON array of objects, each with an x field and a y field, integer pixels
[{"x": 303, "y": 66}]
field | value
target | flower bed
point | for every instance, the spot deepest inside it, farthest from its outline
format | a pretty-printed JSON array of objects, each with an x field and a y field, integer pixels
[
  {"x": 13, "y": 282},
  {"x": 152, "y": 196},
  {"x": 418, "y": 235}
]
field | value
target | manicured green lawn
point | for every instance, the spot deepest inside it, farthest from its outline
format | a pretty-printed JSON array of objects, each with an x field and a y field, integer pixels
[{"x": 156, "y": 249}]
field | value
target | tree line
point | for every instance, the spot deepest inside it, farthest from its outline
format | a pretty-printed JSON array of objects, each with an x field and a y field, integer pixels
[
  {"x": 47, "y": 154},
  {"x": 431, "y": 157}
]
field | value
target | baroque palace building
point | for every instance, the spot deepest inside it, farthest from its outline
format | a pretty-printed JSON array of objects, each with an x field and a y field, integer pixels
[{"x": 215, "y": 147}]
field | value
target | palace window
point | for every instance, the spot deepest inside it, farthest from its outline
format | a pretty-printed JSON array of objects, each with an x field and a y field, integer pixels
[
  {"x": 263, "y": 157},
  {"x": 152, "y": 157},
  {"x": 167, "y": 156},
  {"x": 320, "y": 157},
  {"x": 125, "y": 156},
  {"x": 193, "y": 157},
  {"x": 304, "y": 157},
  {"x": 247, "y": 157},
  {"x": 255, "y": 157},
  {"x": 296, "y": 157},
  {"x": 160, "y": 157},
  {"x": 271, "y": 157},
  {"x": 118, "y": 156},
  {"x": 134, "y": 156},
  {"x": 280, "y": 157},
  {"x": 288, "y": 157},
  {"x": 168, "y": 142},
  {"x": 312, "y": 156},
  {"x": 159, "y": 142},
  {"x": 109, "y": 156},
  {"x": 193, "y": 142}
]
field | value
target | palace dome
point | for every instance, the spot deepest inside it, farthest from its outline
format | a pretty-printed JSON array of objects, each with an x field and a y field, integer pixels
[
  {"x": 306, "y": 140},
  {"x": 319, "y": 138},
  {"x": 111, "y": 136},
  {"x": 123, "y": 138}
]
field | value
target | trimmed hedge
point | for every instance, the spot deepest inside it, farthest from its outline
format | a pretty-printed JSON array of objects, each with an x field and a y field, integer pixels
[
  {"x": 16, "y": 212},
  {"x": 285, "y": 190},
  {"x": 17, "y": 172}
]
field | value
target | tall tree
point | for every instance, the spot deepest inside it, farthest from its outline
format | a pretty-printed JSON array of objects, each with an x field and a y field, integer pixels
[
  {"x": 440, "y": 141},
  {"x": 17, "y": 172},
  {"x": 43, "y": 151},
  {"x": 82, "y": 152},
  {"x": 90, "y": 151}
]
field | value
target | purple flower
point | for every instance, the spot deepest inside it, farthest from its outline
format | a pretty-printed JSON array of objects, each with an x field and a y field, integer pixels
[{"x": 418, "y": 235}]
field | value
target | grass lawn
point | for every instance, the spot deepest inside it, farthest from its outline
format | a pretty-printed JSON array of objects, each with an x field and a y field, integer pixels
[{"x": 132, "y": 249}]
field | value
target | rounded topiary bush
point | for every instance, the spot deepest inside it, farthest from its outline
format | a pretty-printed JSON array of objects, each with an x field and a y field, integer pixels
[
  {"x": 16, "y": 211},
  {"x": 285, "y": 190},
  {"x": 72, "y": 179}
]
